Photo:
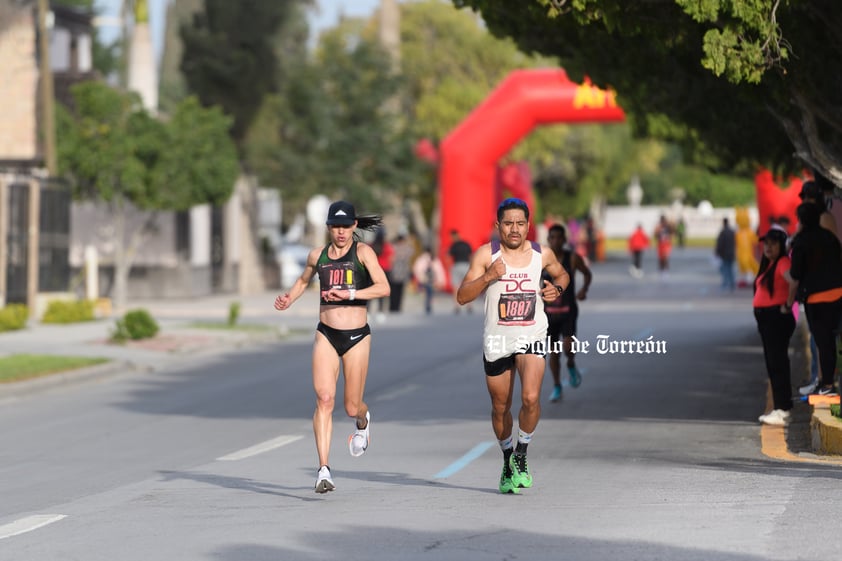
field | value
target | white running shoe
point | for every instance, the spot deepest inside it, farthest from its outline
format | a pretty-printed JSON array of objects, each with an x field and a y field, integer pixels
[
  {"x": 809, "y": 388},
  {"x": 323, "y": 482},
  {"x": 358, "y": 442},
  {"x": 777, "y": 417}
]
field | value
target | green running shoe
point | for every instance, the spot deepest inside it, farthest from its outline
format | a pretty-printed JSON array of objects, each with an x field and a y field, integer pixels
[
  {"x": 520, "y": 471},
  {"x": 556, "y": 395},
  {"x": 506, "y": 484}
]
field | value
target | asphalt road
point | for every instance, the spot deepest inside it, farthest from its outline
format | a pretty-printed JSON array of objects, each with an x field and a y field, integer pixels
[{"x": 655, "y": 456}]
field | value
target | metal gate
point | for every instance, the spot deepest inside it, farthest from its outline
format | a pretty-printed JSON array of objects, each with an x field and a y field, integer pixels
[
  {"x": 53, "y": 240},
  {"x": 17, "y": 242},
  {"x": 217, "y": 253}
]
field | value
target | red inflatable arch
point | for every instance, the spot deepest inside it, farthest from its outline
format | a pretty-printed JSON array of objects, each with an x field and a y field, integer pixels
[
  {"x": 774, "y": 202},
  {"x": 469, "y": 154}
]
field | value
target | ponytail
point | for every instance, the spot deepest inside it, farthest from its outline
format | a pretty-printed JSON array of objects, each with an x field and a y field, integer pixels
[{"x": 369, "y": 223}]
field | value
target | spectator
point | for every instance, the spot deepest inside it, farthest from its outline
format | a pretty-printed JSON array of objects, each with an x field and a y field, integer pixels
[
  {"x": 590, "y": 236},
  {"x": 815, "y": 278},
  {"x": 385, "y": 252},
  {"x": 681, "y": 232},
  {"x": 401, "y": 271},
  {"x": 812, "y": 193},
  {"x": 726, "y": 251},
  {"x": 460, "y": 254},
  {"x": 775, "y": 323},
  {"x": 663, "y": 239},
  {"x": 429, "y": 274},
  {"x": 638, "y": 242}
]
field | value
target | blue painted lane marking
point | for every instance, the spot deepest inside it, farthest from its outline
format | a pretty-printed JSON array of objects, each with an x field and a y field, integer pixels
[
  {"x": 643, "y": 334},
  {"x": 462, "y": 462}
]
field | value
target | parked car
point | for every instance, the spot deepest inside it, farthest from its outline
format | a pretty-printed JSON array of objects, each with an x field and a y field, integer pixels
[{"x": 292, "y": 259}]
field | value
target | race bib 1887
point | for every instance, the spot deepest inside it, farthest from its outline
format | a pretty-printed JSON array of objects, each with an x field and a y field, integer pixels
[{"x": 517, "y": 308}]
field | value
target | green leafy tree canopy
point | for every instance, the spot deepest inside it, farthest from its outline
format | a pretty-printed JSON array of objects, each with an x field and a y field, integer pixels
[{"x": 737, "y": 82}]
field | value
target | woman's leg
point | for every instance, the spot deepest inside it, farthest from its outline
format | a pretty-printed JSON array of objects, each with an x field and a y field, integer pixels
[
  {"x": 777, "y": 334},
  {"x": 325, "y": 375},
  {"x": 355, "y": 367}
]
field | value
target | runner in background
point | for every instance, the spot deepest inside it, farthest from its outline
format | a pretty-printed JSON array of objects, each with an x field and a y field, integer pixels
[{"x": 563, "y": 312}]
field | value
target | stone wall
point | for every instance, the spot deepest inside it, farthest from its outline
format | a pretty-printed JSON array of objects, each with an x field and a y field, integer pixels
[{"x": 19, "y": 86}]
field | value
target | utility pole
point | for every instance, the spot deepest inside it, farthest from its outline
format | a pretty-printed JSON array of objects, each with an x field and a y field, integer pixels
[
  {"x": 4, "y": 236},
  {"x": 48, "y": 127}
]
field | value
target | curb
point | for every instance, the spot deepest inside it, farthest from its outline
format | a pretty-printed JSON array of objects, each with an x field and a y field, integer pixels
[
  {"x": 826, "y": 432},
  {"x": 212, "y": 346},
  {"x": 65, "y": 378}
]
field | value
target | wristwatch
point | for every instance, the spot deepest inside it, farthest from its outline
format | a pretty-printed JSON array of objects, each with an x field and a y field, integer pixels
[
  {"x": 352, "y": 293},
  {"x": 559, "y": 288}
]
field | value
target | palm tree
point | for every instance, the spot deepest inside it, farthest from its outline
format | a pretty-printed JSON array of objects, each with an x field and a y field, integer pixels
[{"x": 141, "y": 69}]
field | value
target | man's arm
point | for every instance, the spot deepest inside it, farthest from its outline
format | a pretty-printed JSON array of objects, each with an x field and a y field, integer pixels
[
  {"x": 580, "y": 265},
  {"x": 561, "y": 278},
  {"x": 481, "y": 273}
]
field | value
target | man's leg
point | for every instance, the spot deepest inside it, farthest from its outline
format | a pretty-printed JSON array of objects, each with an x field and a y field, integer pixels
[
  {"x": 555, "y": 371},
  {"x": 572, "y": 371},
  {"x": 500, "y": 389},
  {"x": 531, "y": 368},
  {"x": 568, "y": 330}
]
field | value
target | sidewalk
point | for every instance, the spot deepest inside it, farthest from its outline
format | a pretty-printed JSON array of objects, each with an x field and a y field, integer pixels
[{"x": 181, "y": 336}]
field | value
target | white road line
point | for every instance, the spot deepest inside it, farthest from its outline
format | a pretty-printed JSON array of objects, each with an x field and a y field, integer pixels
[
  {"x": 260, "y": 448},
  {"x": 23, "y": 525}
]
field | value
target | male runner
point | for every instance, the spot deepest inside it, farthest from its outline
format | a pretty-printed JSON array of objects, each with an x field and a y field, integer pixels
[
  {"x": 563, "y": 312},
  {"x": 509, "y": 270}
]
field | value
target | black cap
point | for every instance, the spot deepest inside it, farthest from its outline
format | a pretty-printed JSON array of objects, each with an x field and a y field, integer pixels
[
  {"x": 776, "y": 233},
  {"x": 341, "y": 213},
  {"x": 810, "y": 189}
]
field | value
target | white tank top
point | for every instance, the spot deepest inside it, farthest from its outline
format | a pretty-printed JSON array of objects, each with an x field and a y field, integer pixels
[{"x": 514, "y": 310}]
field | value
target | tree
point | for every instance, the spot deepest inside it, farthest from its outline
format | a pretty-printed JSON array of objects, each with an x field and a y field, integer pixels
[
  {"x": 230, "y": 58},
  {"x": 112, "y": 151},
  {"x": 738, "y": 82},
  {"x": 451, "y": 63},
  {"x": 330, "y": 130}
]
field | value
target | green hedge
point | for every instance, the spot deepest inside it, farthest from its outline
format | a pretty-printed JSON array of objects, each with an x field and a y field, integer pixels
[
  {"x": 13, "y": 317},
  {"x": 69, "y": 311},
  {"x": 135, "y": 324}
]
